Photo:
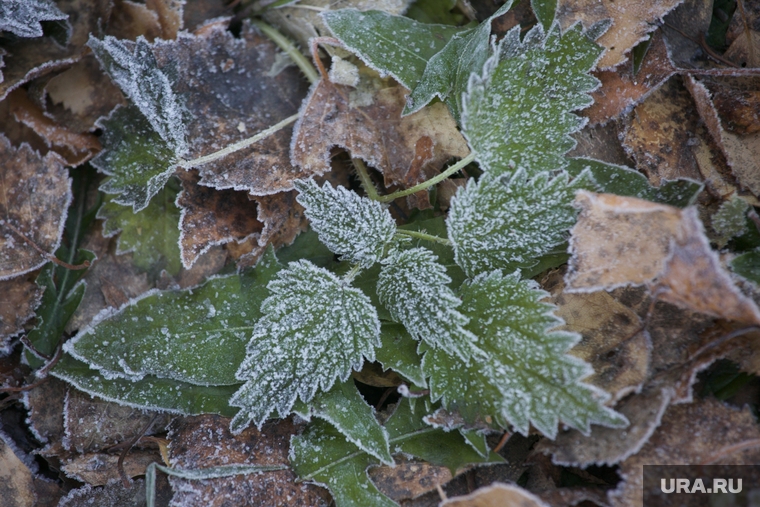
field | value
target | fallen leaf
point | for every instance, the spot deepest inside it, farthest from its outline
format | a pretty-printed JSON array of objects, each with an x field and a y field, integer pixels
[
  {"x": 621, "y": 241},
  {"x": 130, "y": 19},
  {"x": 408, "y": 478},
  {"x": 35, "y": 196},
  {"x": 723, "y": 433},
  {"x": 631, "y": 22},
  {"x": 744, "y": 37},
  {"x": 18, "y": 299},
  {"x": 169, "y": 13},
  {"x": 205, "y": 441},
  {"x": 684, "y": 28},
  {"x": 16, "y": 480},
  {"x": 98, "y": 469},
  {"x": 496, "y": 495},
  {"x": 113, "y": 494},
  {"x": 621, "y": 89},
  {"x": 45, "y": 406},
  {"x": 198, "y": 12}
]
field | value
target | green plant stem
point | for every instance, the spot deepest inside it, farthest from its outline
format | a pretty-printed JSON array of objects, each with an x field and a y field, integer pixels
[
  {"x": 429, "y": 183},
  {"x": 369, "y": 187},
  {"x": 292, "y": 51},
  {"x": 245, "y": 143},
  {"x": 422, "y": 235},
  {"x": 349, "y": 277}
]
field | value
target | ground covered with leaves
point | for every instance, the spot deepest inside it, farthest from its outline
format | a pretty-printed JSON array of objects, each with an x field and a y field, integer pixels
[{"x": 375, "y": 253}]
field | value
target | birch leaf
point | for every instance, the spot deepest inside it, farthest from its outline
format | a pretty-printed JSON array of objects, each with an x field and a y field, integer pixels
[
  {"x": 354, "y": 227},
  {"x": 521, "y": 375},
  {"x": 315, "y": 329},
  {"x": 414, "y": 287}
]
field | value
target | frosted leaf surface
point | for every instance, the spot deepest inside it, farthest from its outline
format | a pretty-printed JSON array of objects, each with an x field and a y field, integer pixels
[
  {"x": 323, "y": 456},
  {"x": 23, "y": 17},
  {"x": 518, "y": 112},
  {"x": 399, "y": 353},
  {"x": 134, "y": 68},
  {"x": 730, "y": 220},
  {"x": 545, "y": 11},
  {"x": 414, "y": 287},
  {"x": 509, "y": 223},
  {"x": 344, "y": 408},
  {"x": 521, "y": 375},
  {"x": 315, "y": 329},
  {"x": 152, "y": 233},
  {"x": 145, "y": 337},
  {"x": 352, "y": 226}
]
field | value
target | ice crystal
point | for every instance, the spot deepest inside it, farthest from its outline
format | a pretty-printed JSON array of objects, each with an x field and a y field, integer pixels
[{"x": 23, "y": 17}]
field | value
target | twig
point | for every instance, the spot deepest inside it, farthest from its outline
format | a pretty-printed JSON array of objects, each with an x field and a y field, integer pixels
[
  {"x": 52, "y": 258},
  {"x": 502, "y": 442},
  {"x": 120, "y": 464},
  {"x": 41, "y": 374},
  {"x": 315, "y": 42}
]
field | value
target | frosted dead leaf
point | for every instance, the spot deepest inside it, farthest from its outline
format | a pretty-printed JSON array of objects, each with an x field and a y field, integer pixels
[
  {"x": 97, "y": 469},
  {"x": 16, "y": 480},
  {"x": 408, "y": 478},
  {"x": 496, "y": 495},
  {"x": 621, "y": 241},
  {"x": 18, "y": 299},
  {"x": 744, "y": 49},
  {"x": 35, "y": 193},
  {"x": 631, "y": 22}
]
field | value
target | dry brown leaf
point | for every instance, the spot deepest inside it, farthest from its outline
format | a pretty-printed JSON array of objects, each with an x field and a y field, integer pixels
[
  {"x": 741, "y": 151},
  {"x": 213, "y": 217},
  {"x": 198, "y": 12},
  {"x": 496, "y": 495},
  {"x": 704, "y": 432},
  {"x": 114, "y": 494},
  {"x": 621, "y": 241},
  {"x": 35, "y": 193},
  {"x": 631, "y": 22},
  {"x": 169, "y": 13},
  {"x": 408, "y": 478},
  {"x": 621, "y": 89},
  {"x": 19, "y": 298},
  {"x": 97, "y": 469},
  {"x": 367, "y": 122},
  {"x": 130, "y": 19},
  {"x": 205, "y": 441},
  {"x": 45, "y": 406},
  {"x": 230, "y": 90},
  {"x": 16, "y": 480},
  {"x": 684, "y": 28},
  {"x": 744, "y": 39}
]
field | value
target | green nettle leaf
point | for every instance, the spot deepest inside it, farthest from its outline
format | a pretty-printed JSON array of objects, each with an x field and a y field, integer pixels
[
  {"x": 152, "y": 233},
  {"x": 315, "y": 329},
  {"x": 399, "y": 353},
  {"x": 135, "y": 158},
  {"x": 518, "y": 112},
  {"x": 149, "y": 393},
  {"x": 352, "y": 226},
  {"x": 545, "y": 10},
  {"x": 23, "y": 17},
  {"x": 205, "y": 346},
  {"x": 344, "y": 408},
  {"x": 522, "y": 374},
  {"x": 510, "y": 222},
  {"x": 414, "y": 287},
  {"x": 323, "y": 456},
  {"x": 399, "y": 46}
]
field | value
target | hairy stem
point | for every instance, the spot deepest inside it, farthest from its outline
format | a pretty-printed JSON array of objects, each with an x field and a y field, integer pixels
[
  {"x": 361, "y": 171},
  {"x": 429, "y": 183},
  {"x": 425, "y": 236},
  {"x": 292, "y": 51}
]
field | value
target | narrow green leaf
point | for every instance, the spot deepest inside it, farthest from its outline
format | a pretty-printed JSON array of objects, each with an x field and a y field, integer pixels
[
  {"x": 315, "y": 329},
  {"x": 352, "y": 226},
  {"x": 152, "y": 233},
  {"x": 414, "y": 287},
  {"x": 510, "y": 222},
  {"x": 136, "y": 159},
  {"x": 196, "y": 336},
  {"x": 150, "y": 393},
  {"x": 545, "y": 11},
  {"x": 399, "y": 353},
  {"x": 517, "y": 111},
  {"x": 522, "y": 375},
  {"x": 344, "y": 408}
]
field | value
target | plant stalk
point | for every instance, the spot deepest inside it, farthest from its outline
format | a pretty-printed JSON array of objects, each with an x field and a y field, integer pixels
[
  {"x": 423, "y": 235},
  {"x": 290, "y": 49},
  {"x": 432, "y": 181}
]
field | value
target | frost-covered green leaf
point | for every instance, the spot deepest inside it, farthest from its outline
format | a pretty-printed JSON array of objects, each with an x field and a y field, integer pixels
[
  {"x": 730, "y": 220},
  {"x": 517, "y": 111},
  {"x": 135, "y": 158},
  {"x": 133, "y": 67},
  {"x": 620, "y": 180},
  {"x": 315, "y": 329},
  {"x": 748, "y": 265},
  {"x": 545, "y": 10},
  {"x": 399, "y": 353},
  {"x": 352, "y": 226},
  {"x": 522, "y": 375},
  {"x": 150, "y": 393},
  {"x": 196, "y": 336},
  {"x": 436, "y": 11},
  {"x": 323, "y": 456},
  {"x": 414, "y": 287},
  {"x": 23, "y": 17},
  {"x": 399, "y": 46},
  {"x": 152, "y": 233},
  {"x": 344, "y": 408},
  {"x": 510, "y": 222}
]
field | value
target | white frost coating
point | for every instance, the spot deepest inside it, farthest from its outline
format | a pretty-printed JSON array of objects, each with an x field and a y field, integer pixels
[
  {"x": 510, "y": 223},
  {"x": 315, "y": 330},
  {"x": 349, "y": 225},
  {"x": 413, "y": 286},
  {"x": 22, "y": 17},
  {"x": 133, "y": 67},
  {"x": 343, "y": 72}
]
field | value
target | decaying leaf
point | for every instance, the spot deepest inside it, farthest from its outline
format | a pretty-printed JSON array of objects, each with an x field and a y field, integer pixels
[
  {"x": 631, "y": 22},
  {"x": 36, "y": 191},
  {"x": 684, "y": 28},
  {"x": 45, "y": 405},
  {"x": 496, "y": 495},
  {"x": 18, "y": 299},
  {"x": 98, "y": 469},
  {"x": 408, "y": 478},
  {"x": 205, "y": 441},
  {"x": 744, "y": 36},
  {"x": 627, "y": 241},
  {"x": 113, "y": 494},
  {"x": 16, "y": 480},
  {"x": 24, "y": 17}
]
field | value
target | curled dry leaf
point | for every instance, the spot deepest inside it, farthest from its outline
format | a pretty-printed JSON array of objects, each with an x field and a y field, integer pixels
[
  {"x": 496, "y": 495},
  {"x": 631, "y": 22},
  {"x": 36, "y": 192},
  {"x": 18, "y": 299},
  {"x": 726, "y": 436},
  {"x": 621, "y": 241}
]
